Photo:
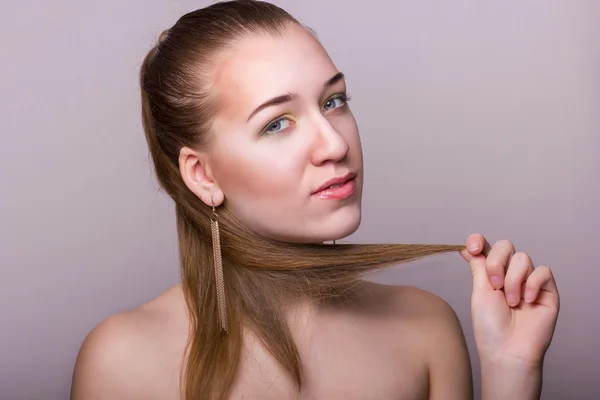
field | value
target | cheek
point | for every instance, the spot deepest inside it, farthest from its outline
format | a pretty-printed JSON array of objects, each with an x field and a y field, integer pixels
[{"x": 259, "y": 172}]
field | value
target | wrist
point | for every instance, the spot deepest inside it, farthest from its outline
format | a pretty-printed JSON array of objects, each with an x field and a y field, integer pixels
[
  {"x": 503, "y": 362},
  {"x": 510, "y": 379}
]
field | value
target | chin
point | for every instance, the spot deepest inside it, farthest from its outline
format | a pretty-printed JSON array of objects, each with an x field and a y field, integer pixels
[
  {"x": 336, "y": 226},
  {"x": 345, "y": 228}
]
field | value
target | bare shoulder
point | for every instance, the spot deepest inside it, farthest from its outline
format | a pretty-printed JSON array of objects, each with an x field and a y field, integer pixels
[
  {"x": 407, "y": 302},
  {"x": 433, "y": 328},
  {"x": 413, "y": 308},
  {"x": 133, "y": 354}
]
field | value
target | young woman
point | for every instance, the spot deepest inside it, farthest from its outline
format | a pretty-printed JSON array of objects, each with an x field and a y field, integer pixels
[{"x": 250, "y": 132}]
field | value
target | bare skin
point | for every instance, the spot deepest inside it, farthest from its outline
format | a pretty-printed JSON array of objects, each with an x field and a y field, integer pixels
[{"x": 388, "y": 343}]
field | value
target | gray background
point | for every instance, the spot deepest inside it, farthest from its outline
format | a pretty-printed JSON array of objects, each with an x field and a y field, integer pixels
[{"x": 476, "y": 116}]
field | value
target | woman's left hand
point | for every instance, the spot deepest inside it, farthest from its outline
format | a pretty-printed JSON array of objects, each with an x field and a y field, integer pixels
[{"x": 514, "y": 306}]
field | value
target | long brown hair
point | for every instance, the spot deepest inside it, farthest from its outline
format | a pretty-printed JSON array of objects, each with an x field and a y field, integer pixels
[{"x": 177, "y": 111}]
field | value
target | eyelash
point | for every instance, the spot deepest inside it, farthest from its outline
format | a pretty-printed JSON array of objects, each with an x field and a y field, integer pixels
[{"x": 342, "y": 96}]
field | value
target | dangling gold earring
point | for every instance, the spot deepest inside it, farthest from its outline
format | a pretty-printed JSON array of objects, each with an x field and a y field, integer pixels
[{"x": 220, "y": 282}]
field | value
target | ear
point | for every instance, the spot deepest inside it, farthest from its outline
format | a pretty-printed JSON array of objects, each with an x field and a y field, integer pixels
[{"x": 197, "y": 176}]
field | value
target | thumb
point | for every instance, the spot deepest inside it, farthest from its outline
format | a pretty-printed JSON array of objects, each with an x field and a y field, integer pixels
[{"x": 481, "y": 282}]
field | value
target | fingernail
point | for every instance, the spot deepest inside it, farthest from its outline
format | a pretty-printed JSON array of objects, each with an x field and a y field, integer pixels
[
  {"x": 529, "y": 296},
  {"x": 474, "y": 247},
  {"x": 511, "y": 299},
  {"x": 496, "y": 282}
]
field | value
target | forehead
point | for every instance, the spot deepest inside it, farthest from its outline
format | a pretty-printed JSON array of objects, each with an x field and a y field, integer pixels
[{"x": 262, "y": 66}]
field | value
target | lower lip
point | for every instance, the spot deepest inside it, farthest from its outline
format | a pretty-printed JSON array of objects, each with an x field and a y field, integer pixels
[{"x": 338, "y": 193}]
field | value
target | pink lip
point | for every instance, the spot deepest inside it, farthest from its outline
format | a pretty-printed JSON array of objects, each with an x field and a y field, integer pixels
[{"x": 346, "y": 189}]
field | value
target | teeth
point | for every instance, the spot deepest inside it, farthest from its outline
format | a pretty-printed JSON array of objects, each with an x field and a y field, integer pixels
[{"x": 335, "y": 186}]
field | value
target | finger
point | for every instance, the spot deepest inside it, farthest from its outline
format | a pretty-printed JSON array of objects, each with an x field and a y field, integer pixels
[
  {"x": 487, "y": 247},
  {"x": 541, "y": 287},
  {"x": 476, "y": 244},
  {"x": 497, "y": 261},
  {"x": 519, "y": 269},
  {"x": 481, "y": 282},
  {"x": 465, "y": 255}
]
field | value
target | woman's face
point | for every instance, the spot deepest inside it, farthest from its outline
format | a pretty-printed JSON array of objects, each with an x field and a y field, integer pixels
[{"x": 283, "y": 135}]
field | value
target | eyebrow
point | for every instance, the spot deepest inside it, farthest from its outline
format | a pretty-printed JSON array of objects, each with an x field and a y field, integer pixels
[
  {"x": 285, "y": 98},
  {"x": 336, "y": 78}
]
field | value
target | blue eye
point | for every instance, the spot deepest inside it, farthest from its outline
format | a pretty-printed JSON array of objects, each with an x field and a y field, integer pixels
[
  {"x": 336, "y": 102},
  {"x": 278, "y": 126}
]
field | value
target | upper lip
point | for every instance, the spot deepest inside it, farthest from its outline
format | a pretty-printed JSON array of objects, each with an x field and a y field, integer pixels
[{"x": 336, "y": 181}]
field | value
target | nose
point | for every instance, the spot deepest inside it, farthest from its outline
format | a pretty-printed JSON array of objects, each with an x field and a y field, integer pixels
[{"x": 330, "y": 145}]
